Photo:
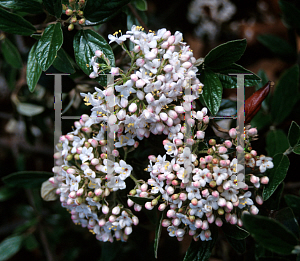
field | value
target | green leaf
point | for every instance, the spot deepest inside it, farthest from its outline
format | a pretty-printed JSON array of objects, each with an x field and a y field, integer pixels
[
  {"x": 6, "y": 193},
  {"x": 286, "y": 217},
  {"x": 33, "y": 71},
  {"x": 286, "y": 94},
  {"x": 63, "y": 62},
  {"x": 278, "y": 46},
  {"x": 225, "y": 54},
  {"x": 158, "y": 232},
  {"x": 31, "y": 243},
  {"x": 273, "y": 258},
  {"x": 101, "y": 11},
  {"x": 139, "y": 200},
  {"x": 290, "y": 13},
  {"x": 277, "y": 142},
  {"x": 48, "y": 45},
  {"x": 27, "y": 179},
  {"x": 140, "y": 4},
  {"x": 273, "y": 202},
  {"x": 201, "y": 250},
  {"x": 230, "y": 82},
  {"x": 212, "y": 92},
  {"x": 239, "y": 245},
  {"x": 294, "y": 134},
  {"x": 86, "y": 42},
  {"x": 11, "y": 54},
  {"x": 28, "y": 6},
  {"x": 297, "y": 149},
  {"x": 294, "y": 203},
  {"x": 261, "y": 120},
  {"x": 270, "y": 233},
  {"x": 277, "y": 174},
  {"x": 26, "y": 225},
  {"x": 235, "y": 68},
  {"x": 15, "y": 24},
  {"x": 54, "y": 7},
  {"x": 10, "y": 246},
  {"x": 234, "y": 231}
]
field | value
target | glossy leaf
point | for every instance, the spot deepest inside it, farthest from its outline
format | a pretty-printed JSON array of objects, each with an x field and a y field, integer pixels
[
  {"x": 31, "y": 242},
  {"x": 212, "y": 93},
  {"x": 230, "y": 82},
  {"x": 286, "y": 94},
  {"x": 9, "y": 247},
  {"x": 278, "y": 46},
  {"x": 277, "y": 142},
  {"x": 290, "y": 13},
  {"x": 238, "y": 69},
  {"x": 48, "y": 45},
  {"x": 239, "y": 245},
  {"x": 294, "y": 203},
  {"x": 11, "y": 53},
  {"x": 270, "y": 233},
  {"x": 140, "y": 4},
  {"x": 6, "y": 193},
  {"x": 297, "y": 149},
  {"x": 63, "y": 62},
  {"x": 273, "y": 202},
  {"x": 139, "y": 200},
  {"x": 33, "y": 71},
  {"x": 86, "y": 42},
  {"x": 201, "y": 250},
  {"x": 27, "y": 179},
  {"x": 15, "y": 24},
  {"x": 294, "y": 134},
  {"x": 225, "y": 54},
  {"x": 277, "y": 174},
  {"x": 234, "y": 231},
  {"x": 101, "y": 10},
  {"x": 158, "y": 232},
  {"x": 28, "y": 6},
  {"x": 54, "y": 7},
  {"x": 286, "y": 217}
]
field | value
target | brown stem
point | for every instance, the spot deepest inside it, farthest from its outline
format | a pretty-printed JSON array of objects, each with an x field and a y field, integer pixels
[{"x": 135, "y": 13}]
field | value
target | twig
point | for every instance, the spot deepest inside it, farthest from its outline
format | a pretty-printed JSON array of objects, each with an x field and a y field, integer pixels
[
  {"x": 218, "y": 127},
  {"x": 138, "y": 17}
]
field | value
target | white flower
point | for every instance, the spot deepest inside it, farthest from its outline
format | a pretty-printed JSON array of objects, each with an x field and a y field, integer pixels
[
  {"x": 116, "y": 183},
  {"x": 219, "y": 175},
  {"x": 237, "y": 182},
  {"x": 123, "y": 169},
  {"x": 73, "y": 182},
  {"x": 193, "y": 192},
  {"x": 264, "y": 163},
  {"x": 245, "y": 200},
  {"x": 125, "y": 140},
  {"x": 230, "y": 194},
  {"x": 172, "y": 231},
  {"x": 118, "y": 40}
]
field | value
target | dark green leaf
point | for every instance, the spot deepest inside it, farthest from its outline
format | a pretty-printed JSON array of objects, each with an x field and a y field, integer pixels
[
  {"x": 28, "y": 6},
  {"x": 31, "y": 243},
  {"x": 48, "y": 45},
  {"x": 261, "y": 120},
  {"x": 140, "y": 4},
  {"x": 294, "y": 134},
  {"x": 230, "y": 82},
  {"x": 273, "y": 202},
  {"x": 286, "y": 217},
  {"x": 158, "y": 232},
  {"x": 63, "y": 62},
  {"x": 101, "y": 10},
  {"x": 273, "y": 258},
  {"x": 11, "y": 54},
  {"x": 277, "y": 174},
  {"x": 278, "y": 46},
  {"x": 270, "y": 233},
  {"x": 277, "y": 142},
  {"x": 139, "y": 200},
  {"x": 297, "y": 149},
  {"x": 54, "y": 7},
  {"x": 201, "y": 250},
  {"x": 286, "y": 94},
  {"x": 10, "y": 246},
  {"x": 294, "y": 203},
  {"x": 290, "y": 13},
  {"x": 239, "y": 245},
  {"x": 212, "y": 93},
  {"x": 6, "y": 193},
  {"x": 238, "y": 69},
  {"x": 15, "y": 24},
  {"x": 33, "y": 71},
  {"x": 27, "y": 179},
  {"x": 26, "y": 225},
  {"x": 234, "y": 231},
  {"x": 225, "y": 54},
  {"x": 86, "y": 42}
]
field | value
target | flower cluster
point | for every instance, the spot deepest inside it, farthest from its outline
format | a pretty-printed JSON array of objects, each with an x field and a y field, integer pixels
[{"x": 198, "y": 191}]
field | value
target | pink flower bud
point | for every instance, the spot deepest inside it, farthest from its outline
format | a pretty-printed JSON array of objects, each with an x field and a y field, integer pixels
[
  {"x": 170, "y": 190},
  {"x": 198, "y": 223},
  {"x": 99, "y": 53},
  {"x": 128, "y": 230},
  {"x": 205, "y": 193},
  {"x": 171, "y": 39},
  {"x": 264, "y": 180},
  {"x": 134, "y": 77},
  {"x": 94, "y": 161},
  {"x": 72, "y": 195},
  {"x": 132, "y": 107},
  {"x": 149, "y": 97},
  {"x": 215, "y": 194},
  {"x": 135, "y": 220},
  {"x": 211, "y": 219},
  {"x": 252, "y": 132},
  {"x": 148, "y": 205},
  {"x": 137, "y": 207},
  {"x": 150, "y": 56},
  {"x": 98, "y": 192},
  {"x": 136, "y": 48},
  {"x": 162, "y": 207},
  {"x": 259, "y": 200},
  {"x": 222, "y": 150},
  {"x": 254, "y": 179},
  {"x": 176, "y": 167},
  {"x": 219, "y": 222},
  {"x": 200, "y": 135},
  {"x": 140, "y": 95},
  {"x": 229, "y": 205},
  {"x": 186, "y": 65},
  {"x": 140, "y": 83},
  {"x": 144, "y": 194},
  {"x": 196, "y": 184},
  {"x": 239, "y": 222},
  {"x": 232, "y": 133},
  {"x": 165, "y": 45},
  {"x": 168, "y": 68},
  {"x": 166, "y": 223},
  {"x": 124, "y": 102},
  {"x": 254, "y": 210},
  {"x": 228, "y": 143},
  {"x": 222, "y": 202},
  {"x": 171, "y": 213},
  {"x": 176, "y": 222},
  {"x": 114, "y": 71},
  {"x": 206, "y": 120},
  {"x": 183, "y": 197},
  {"x": 190, "y": 141},
  {"x": 227, "y": 217},
  {"x": 140, "y": 62},
  {"x": 166, "y": 35},
  {"x": 105, "y": 209},
  {"x": 205, "y": 225},
  {"x": 163, "y": 116},
  {"x": 172, "y": 114},
  {"x": 233, "y": 219},
  {"x": 184, "y": 58},
  {"x": 79, "y": 192},
  {"x": 253, "y": 153}
]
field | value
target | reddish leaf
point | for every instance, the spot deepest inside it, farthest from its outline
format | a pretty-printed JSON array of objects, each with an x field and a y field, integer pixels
[{"x": 253, "y": 103}]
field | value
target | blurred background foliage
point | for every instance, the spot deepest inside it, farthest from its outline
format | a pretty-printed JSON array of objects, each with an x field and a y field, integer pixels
[{"x": 32, "y": 229}]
